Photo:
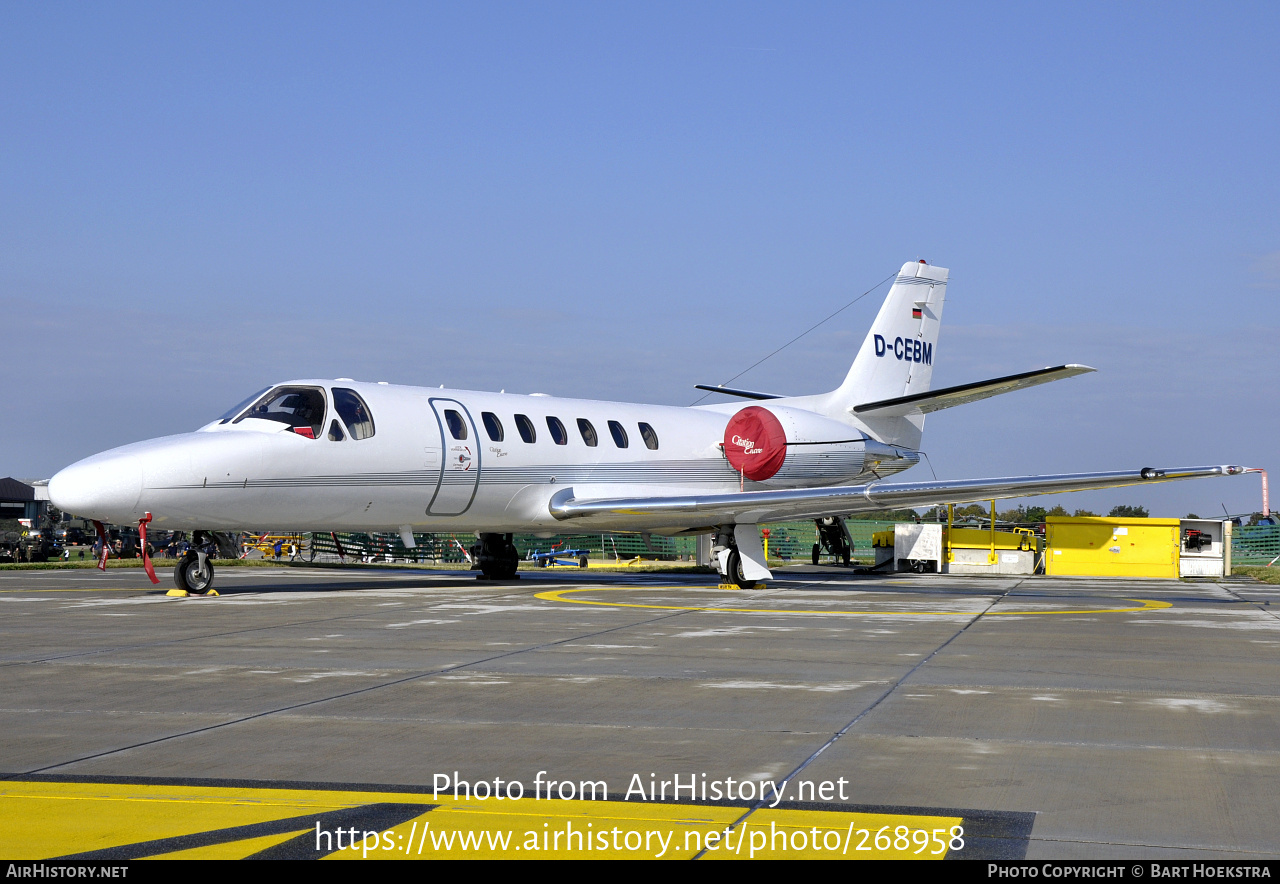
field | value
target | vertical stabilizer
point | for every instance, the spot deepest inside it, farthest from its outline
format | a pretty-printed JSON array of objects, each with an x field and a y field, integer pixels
[{"x": 897, "y": 356}]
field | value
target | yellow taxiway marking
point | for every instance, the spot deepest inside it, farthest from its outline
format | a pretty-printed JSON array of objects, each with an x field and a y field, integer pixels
[
  {"x": 44, "y": 820},
  {"x": 558, "y": 595}
]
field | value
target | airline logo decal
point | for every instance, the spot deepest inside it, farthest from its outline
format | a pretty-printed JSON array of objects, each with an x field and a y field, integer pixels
[{"x": 755, "y": 443}]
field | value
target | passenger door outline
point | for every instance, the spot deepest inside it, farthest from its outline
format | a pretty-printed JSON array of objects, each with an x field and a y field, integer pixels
[{"x": 459, "y": 464}]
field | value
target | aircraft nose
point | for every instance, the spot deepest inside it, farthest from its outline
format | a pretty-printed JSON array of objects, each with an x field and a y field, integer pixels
[{"x": 106, "y": 487}]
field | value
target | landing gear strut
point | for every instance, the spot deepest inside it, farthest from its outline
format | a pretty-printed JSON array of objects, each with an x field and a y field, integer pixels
[
  {"x": 728, "y": 560},
  {"x": 834, "y": 538},
  {"x": 495, "y": 556}
]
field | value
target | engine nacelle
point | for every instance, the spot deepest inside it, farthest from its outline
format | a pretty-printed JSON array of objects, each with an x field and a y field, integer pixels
[{"x": 795, "y": 448}]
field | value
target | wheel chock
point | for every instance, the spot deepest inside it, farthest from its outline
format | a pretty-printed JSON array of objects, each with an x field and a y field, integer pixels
[
  {"x": 729, "y": 586},
  {"x": 211, "y": 593},
  {"x": 177, "y": 593}
]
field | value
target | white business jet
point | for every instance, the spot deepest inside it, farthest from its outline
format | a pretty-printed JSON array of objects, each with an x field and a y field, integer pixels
[{"x": 338, "y": 455}]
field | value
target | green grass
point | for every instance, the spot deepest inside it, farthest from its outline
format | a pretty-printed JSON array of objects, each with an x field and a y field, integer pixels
[{"x": 1258, "y": 572}]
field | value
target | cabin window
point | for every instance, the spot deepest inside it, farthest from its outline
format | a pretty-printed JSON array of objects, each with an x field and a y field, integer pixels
[
  {"x": 619, "y": 434},
  {"x": 525, "y": 426},
  {"x": 649, "y": 436},
  {"x": 492, "y": 426},
  {"x": 558, "y": 433},
  {"x": 354, "y": 412},
  {"x": 588, "y": 432},
  {"x": 457, "y": 426},
  {"x": 335, "y": 431},
  {"x": 300, "y": 408}
]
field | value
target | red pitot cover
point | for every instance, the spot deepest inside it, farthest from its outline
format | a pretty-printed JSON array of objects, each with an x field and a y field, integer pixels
[{"x": 755, "y": 443}]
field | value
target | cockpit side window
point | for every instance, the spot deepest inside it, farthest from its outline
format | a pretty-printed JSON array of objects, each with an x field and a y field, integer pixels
[
  {"x": 302, "y": 408},
  {"x": 353, "y": 412}
]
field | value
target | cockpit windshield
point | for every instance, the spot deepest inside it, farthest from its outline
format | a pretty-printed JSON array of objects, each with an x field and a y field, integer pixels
[
  {"x": 302, "y": 408},
  {"x": 241, "y": 406}
]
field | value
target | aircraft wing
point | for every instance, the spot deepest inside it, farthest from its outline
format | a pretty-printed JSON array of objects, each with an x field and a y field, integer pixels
[{"x": 755, "y": 507}]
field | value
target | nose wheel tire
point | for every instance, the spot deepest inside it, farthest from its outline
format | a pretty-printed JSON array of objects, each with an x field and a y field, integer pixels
[{"x": 189, "y": 576}]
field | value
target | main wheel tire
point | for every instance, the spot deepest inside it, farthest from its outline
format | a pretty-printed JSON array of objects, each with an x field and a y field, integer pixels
[
  {"x": 735, "y": 574},
  {"x": 582, "y": 561},
  {"x": 817, "y": 552},
  {"x": 501, "y": 570},
  {"x": 848, "y": 554},
  {"x": 188, "y": 576}
]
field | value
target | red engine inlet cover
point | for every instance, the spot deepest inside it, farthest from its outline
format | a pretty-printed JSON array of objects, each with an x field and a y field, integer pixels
[{"x": 755, "y": 443}]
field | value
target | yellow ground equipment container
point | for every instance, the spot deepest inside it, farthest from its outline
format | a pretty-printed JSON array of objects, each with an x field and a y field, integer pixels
[
  {"x": 981, "y": 538},
  {"x": 1112, "y": 547}
]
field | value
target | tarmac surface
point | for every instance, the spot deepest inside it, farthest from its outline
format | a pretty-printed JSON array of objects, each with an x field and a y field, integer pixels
[{"x": 1044, "y": 717}]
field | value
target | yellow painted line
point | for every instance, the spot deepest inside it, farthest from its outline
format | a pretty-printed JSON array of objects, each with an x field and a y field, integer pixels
[
  {"x": 232, "y": 850},
  {"x": 46, "y": 820},
  {"x": 558, "y": 595}
]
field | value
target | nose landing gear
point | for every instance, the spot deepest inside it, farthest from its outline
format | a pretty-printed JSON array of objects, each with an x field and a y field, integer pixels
[{"x": 193, "y": 574}]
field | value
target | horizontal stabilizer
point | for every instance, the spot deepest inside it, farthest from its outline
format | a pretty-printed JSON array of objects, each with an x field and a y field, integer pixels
[
  {"x": 745, "y": 394},
  {"x": 758, "y": 507},
  {"x": 936, "y": 400}
]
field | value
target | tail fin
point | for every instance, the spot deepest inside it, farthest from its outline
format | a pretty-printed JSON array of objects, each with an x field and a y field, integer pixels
[{"x": 896, "y": 358}]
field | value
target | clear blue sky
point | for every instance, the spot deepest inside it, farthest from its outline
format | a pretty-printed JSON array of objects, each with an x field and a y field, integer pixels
[{"x": 623, "y": 200}]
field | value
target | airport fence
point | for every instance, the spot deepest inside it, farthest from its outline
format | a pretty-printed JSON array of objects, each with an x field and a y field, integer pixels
[
  {"x": 787, "y": 541},
  {"x": 448, "y": 548},
  {"x": 1255, "y": 544}
]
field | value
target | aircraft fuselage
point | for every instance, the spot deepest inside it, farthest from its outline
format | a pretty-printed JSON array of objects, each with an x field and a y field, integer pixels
[{"x": 447, "y": 460}]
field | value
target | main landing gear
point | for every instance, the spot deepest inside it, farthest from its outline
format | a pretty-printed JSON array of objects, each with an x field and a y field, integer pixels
[
  {"x": 728, "y": 560},
  {"x": 834, "y": 538},
  {"x": 495, "y": 556}
]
